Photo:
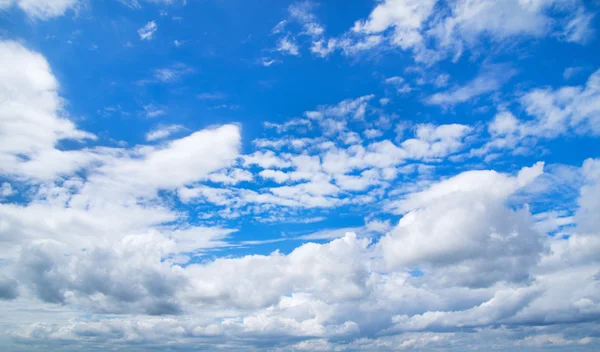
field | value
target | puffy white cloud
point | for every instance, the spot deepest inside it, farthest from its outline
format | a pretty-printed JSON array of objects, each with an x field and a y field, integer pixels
[
  {"x": 90, "y": 259},
  {"x": 463, "y": 226},
  {"x": 146, "y": 170},
  {"x": 568, "y": 108},
  {"x": 589, "y": 199},
  {"x": 332, "y": 290},
  {"x": 434, "y": 30},
  {"x": 405, "y": 17},
  {"x": 552, "y": 113},
  {"x": 32, "y": 118},
  {"x": 331, "y": 272}
]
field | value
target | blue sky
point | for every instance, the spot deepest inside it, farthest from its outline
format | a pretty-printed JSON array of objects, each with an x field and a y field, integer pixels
[{"x": 365, "y": 175}]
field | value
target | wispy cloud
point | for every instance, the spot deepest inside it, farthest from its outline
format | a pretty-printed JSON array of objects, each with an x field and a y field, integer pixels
[
  {"x": 147, "y": 32},
  {"x": 162, "y": 132},
  {"x": 489, "y": 80},
  {"x": 211, "y": 96},
  {"x": 151, "y": 111},
  {"x": 172, "y": 73}
]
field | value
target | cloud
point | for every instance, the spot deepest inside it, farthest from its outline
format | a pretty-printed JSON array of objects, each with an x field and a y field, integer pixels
[
  {"x": 489, "y": 80},
  {"x": 152, "y": 111},
  {"x": 405, "y": 17},
  {"x": 143, "y": 246},
  {"x": 434, "y": 31},
  {"x": 211, "y": 96},
  {"x": 147, "y": 32},
  {"x": 163, "y": 132},
  {"x": 556, "y": 111},
  {"x": 40, "y": 9},
  {"x": 172, "y": 73},
  {"x": 552, "y": 113},
  {"x": 6, "y": 190},
  {"x": 287, "y": 45},
  {"x": 32, "y": 120}
]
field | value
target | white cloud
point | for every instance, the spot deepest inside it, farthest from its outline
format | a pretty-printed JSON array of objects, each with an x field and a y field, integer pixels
[
  {"x": 152, "y": 111},
  {"x": 400, "y": 84},
  {"x": 579, "y": 27},
  {"x": 568, "y": 108},
  {"x": 147, "y": 32},
  {"x": 42, "y": 9},
  {"x": 464, "y": 220},
  {"x": 163, "y": 132},
  {"x": 172, "y": 73},
  {"x": 553, "y": 113},
  {"x": 275, "y": 175},
  {"x": 149, "y": 169},
  {"x": 569, "y": 72},
  {"x": 230, "y": 176},
  {"x": 489, "y": 80},
  {"x": 373, "y": 133},
  {"x": 6, "y": 190},
  {"x": 589, "y": 199},
  {"x": 435, "y": 30},
  {"x": 435, "y": 141},
  {"x": 405, "y": 17},
  {"x": 287, "y": 45},
  {"x": 105, "y": 255},
  {"x": 32, "y": 118}
]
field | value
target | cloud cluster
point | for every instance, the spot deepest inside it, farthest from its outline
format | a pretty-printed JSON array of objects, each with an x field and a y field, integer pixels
[
  {"x": 118, "y": 247},
  {"x": 434, "y": 30}
]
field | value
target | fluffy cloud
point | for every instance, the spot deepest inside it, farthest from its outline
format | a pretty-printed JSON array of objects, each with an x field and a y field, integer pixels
[
  {"x": 435, "y": 30},
  {"x": 32, "y": 118},
  {"x": 569, "y": 110},
  {"x": 463, "y": 226},
  {"x": 483, "y": 270},
  {"x": 138, "y": 247},
  {"x": 405, "y": 17}
]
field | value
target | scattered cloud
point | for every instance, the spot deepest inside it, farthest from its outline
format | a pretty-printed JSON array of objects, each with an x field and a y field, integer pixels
[
  {"x": 489, "y": 80},
  {"x": 40, "y": 9},
  {"x": 172, "y": 73},
  {"x": 147, "y": 32},
  {"x": 319, "y": 215},
  {"x": 211, "y": 96},
  {"x": 163, "y": 132}
]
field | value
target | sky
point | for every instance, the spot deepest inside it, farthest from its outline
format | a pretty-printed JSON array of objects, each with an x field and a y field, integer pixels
[{"x": 391, "y": 175}]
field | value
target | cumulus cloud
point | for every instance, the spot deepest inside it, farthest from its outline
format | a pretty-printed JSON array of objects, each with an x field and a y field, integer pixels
[
  {"x": 138, "y": 247},
  {"x": 32, "y": 118},
  {"x": 551, "y": 113},
  {"x": 435, "y": 30},
  {"x": 463, "y": 220}
]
